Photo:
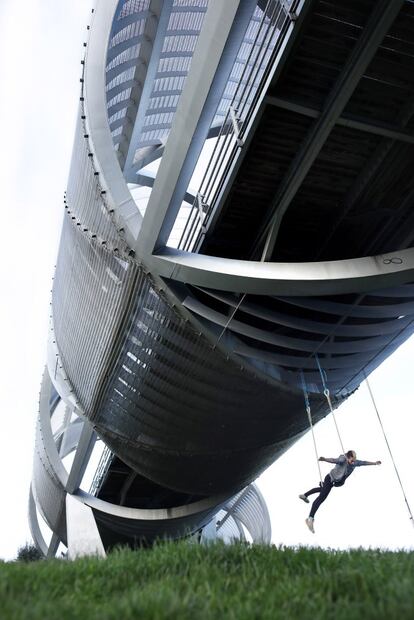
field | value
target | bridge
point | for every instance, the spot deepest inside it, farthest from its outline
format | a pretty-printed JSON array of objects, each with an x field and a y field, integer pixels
[{"x": 238, "y": 223}]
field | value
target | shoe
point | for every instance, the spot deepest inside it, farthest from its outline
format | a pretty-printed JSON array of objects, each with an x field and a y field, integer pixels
[
  {"x": 305, "y": 499},
  {"x": 309, "y": 523}
]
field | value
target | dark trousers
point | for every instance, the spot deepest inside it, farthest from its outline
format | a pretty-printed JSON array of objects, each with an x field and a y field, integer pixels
[{"x": 323, "y": 491}]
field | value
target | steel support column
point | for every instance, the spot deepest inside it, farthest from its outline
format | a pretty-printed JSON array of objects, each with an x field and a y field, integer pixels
[
  {"x": 82, "y": 455},
  {"x": 83, "y": 534}
]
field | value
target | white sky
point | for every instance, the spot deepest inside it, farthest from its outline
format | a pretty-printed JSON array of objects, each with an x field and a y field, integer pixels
[{"x": 40, "y": 53}]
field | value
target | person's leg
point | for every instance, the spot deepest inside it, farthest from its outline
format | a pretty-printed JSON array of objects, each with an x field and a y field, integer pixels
[
  {"x": 324, "y": 492},
  {"x": 304, "y": 496},
  {"x": 314, "y": 490}
]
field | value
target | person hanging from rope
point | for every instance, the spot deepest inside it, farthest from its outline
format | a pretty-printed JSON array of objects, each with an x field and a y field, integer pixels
[{"x": 344, "y": 466}]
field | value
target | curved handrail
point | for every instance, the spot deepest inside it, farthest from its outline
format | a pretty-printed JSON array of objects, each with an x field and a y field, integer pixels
[
  {"x": 126, "y": 212},
  {"x": 357, "y": 275}
]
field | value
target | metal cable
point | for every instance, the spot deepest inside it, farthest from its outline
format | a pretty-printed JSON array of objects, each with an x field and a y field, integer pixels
[
  {"x": 389, "y": 449},
  {"x": 231, "y": 317},
  {"x": 308, "y": 411},
  {"x": 328, "y": 398}
]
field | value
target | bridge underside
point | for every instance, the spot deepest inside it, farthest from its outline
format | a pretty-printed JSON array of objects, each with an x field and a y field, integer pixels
[
  {"x": 194, "y": 382},
  {"x": 331, "y": 157}
]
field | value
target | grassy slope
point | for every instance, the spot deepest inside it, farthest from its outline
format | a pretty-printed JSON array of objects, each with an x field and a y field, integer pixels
[{"x": 185, "y": 581}]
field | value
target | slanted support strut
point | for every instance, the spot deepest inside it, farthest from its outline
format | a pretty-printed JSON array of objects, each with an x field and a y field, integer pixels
[{"x": 236, "y": 125}]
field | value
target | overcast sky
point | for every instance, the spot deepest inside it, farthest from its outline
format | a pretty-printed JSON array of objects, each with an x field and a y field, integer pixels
[{"x": 41, "y": 48}]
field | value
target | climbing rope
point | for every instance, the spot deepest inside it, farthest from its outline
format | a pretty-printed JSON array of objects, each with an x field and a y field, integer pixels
[
  {"x": 308, "y": 411},
  {"x": 389, "y": 449},
  {"x": 328, "y": 398}
]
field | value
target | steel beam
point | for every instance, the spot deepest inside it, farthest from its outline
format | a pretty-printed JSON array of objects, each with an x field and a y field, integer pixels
[
  {"x": 147, "y": 179},
  {"x": 126, "y": 486},
  {"x": 359, "y": 275},
  {"x": 53, "y": 546},
  {"x": 296, "y": 342},
  {"x": 313, "y": 326},
  {"x": 362, "y": 124},
  {"x": 82, "y": 455},
  {"x": 156, "y": 153}
]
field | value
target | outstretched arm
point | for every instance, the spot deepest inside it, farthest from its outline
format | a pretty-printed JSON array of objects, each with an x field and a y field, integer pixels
[
  {"x": 360, "y": 463},
  {"x": 329, "y": 460}
]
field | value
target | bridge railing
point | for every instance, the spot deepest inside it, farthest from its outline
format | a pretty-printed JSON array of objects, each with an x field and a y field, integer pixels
[{"x": 271, "y": 31}]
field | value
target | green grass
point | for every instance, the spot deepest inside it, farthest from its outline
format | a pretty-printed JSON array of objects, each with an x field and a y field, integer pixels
[{"x": 225, "y": 582}]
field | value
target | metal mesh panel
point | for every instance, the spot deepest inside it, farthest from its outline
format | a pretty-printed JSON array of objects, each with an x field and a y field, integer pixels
[
  {"x": 93, "y": 279},
  {"x": 170, "y": 388},
  {"x": 90, "y": 294},
  {"x": 191, "y": 3},
  {"x": 85, "y": 202}
]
